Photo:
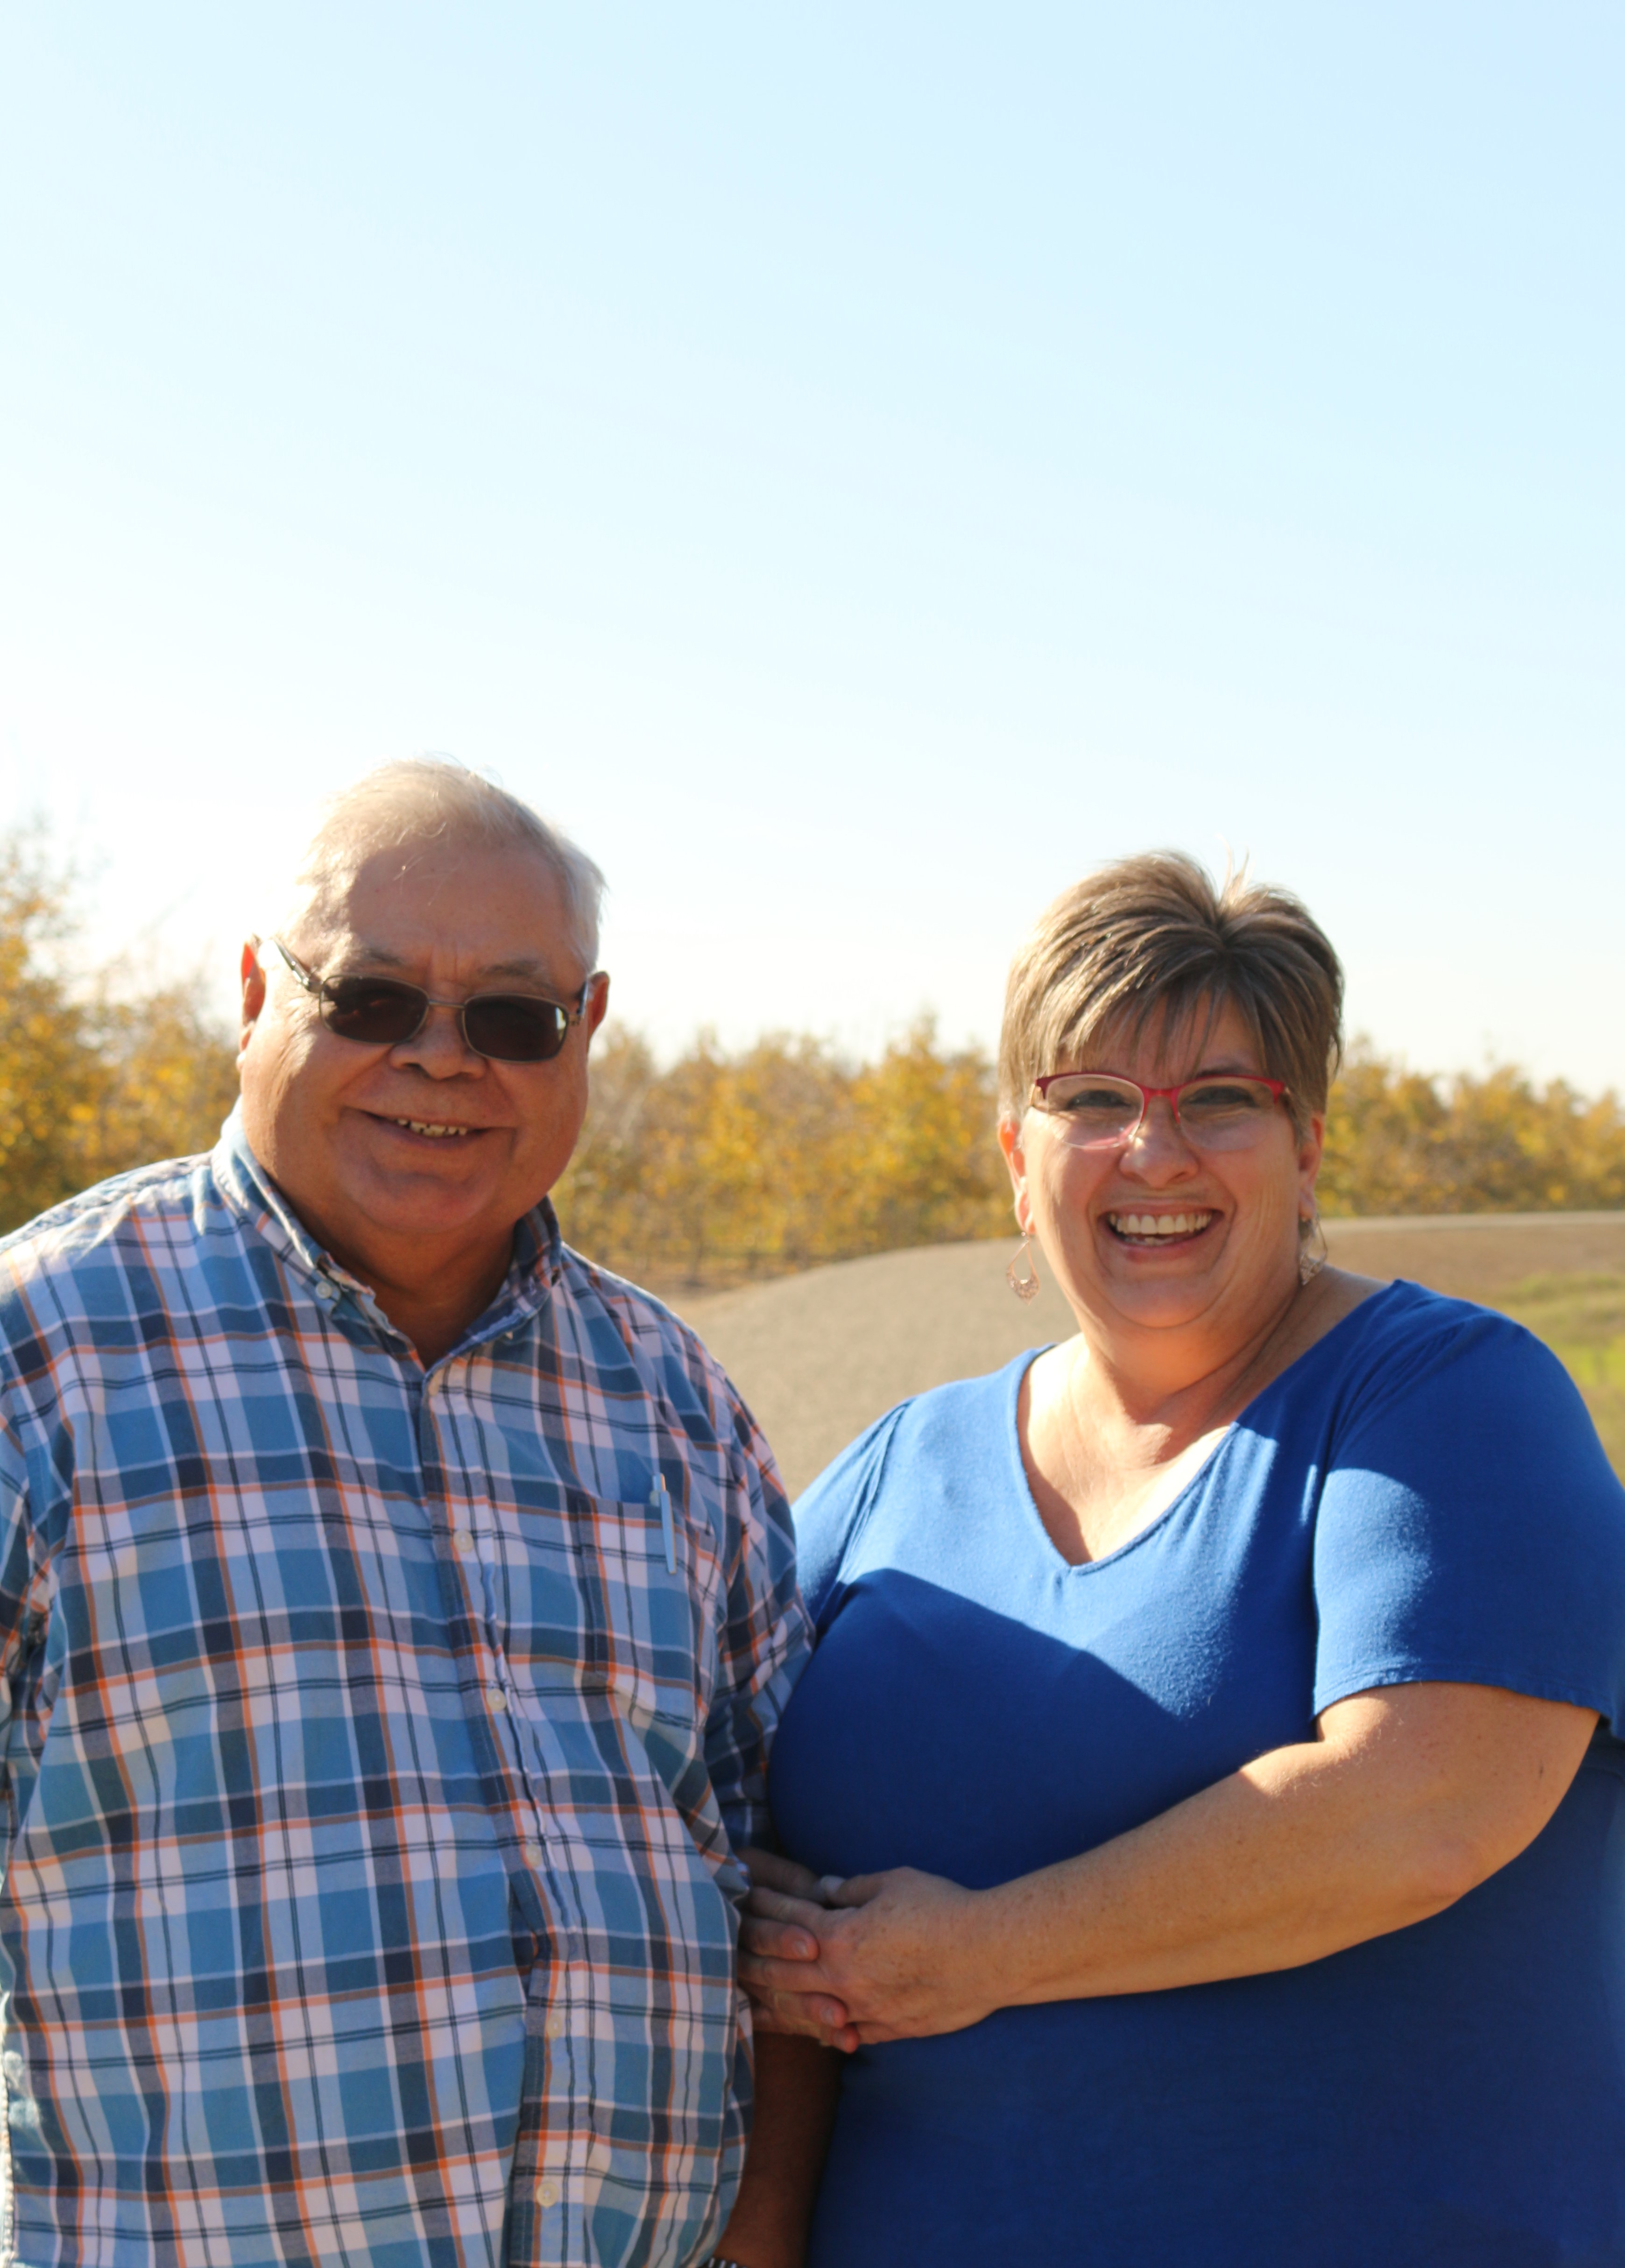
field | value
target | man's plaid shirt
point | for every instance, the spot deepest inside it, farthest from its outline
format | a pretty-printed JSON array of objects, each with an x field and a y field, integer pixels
[{"x": 372, "y": 1785}]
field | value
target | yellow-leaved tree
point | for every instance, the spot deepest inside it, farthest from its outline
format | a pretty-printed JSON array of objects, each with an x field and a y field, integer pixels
[
  {"x": 722, "y": 1166},
  {"x": 1398, "y": 1141},
  {"x": 92, "y": 1080}
]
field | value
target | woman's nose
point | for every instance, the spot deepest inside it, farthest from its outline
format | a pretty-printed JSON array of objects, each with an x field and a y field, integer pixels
[{"x": 1157, "y": 1146}]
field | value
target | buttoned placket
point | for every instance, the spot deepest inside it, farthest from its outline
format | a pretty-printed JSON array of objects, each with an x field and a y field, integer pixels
[
  {"x": 553, "y": 2178},
  {"x": 550, "y": 2173},
  {"x": 437, "y": 1425}
]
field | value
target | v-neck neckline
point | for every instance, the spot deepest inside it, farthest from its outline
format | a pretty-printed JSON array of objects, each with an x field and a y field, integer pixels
[{"x": 1060, "y": 1563}]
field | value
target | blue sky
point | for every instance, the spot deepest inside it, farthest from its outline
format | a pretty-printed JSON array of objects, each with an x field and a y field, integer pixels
[{"x": 857, "y": 467}]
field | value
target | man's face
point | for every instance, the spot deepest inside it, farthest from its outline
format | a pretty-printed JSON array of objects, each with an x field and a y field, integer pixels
[{"x": 337, "y": 1125}]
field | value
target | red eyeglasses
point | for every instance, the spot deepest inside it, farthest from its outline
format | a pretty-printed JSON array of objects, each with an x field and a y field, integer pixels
[{"x": 1221, "y": 1110}]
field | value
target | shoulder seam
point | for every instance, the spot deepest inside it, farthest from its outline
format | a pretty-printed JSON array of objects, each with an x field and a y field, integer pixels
[
  {"x": 91, "y": 1208},
  {"x": 890, "y": 1423}
]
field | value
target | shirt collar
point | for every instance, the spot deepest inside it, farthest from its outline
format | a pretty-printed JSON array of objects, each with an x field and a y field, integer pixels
[{"x": 251, "y": 1193}]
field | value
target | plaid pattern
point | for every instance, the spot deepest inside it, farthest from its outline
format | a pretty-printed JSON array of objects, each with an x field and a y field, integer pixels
[{"x": 372, "y": 1785}]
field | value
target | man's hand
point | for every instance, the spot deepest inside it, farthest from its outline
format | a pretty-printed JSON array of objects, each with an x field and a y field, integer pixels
[
  {"x": 785, "y": 1897},
  {"x": 891, "y": 1956},
  {"x": 768, "y": 1871}
]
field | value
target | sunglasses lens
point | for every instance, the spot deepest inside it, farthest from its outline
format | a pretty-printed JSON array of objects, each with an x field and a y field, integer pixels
[
  {"x": 372, "y": 1009},
  {"x": 511, "y": 1028}
]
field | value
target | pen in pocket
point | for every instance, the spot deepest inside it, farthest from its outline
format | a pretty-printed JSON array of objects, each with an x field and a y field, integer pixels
[{"x": 661, "y": 1495}]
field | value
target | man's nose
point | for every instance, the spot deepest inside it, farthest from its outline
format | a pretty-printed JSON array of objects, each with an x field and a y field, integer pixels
[{"x": 437, "y": 1046}]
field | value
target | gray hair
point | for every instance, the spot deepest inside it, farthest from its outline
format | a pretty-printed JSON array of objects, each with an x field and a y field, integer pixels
[{"x": 417, "y": 801}]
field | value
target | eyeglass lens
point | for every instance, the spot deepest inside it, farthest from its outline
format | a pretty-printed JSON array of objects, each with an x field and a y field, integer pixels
[
  {"x": 513, "y": 1029},
  {"x": 1213, "y": 1114},
  {"x": 509, "y": 1028}
]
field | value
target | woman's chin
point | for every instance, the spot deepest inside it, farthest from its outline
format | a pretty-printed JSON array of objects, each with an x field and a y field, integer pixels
[{"x": 1159, "y": 1300}]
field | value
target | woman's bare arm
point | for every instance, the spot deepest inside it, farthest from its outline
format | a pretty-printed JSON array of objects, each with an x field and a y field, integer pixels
[{"x": 1409, "y": 1797}]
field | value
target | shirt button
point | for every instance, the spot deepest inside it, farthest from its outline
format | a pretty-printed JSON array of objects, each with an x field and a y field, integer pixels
[
  {"x": 555, "y": 2026},
  {"x": 547, "y": 2191},
  {"x": 462, "y": 1539},
  {"x": 499, "y": 1699},
  {"x": 531, "y": 1853}
]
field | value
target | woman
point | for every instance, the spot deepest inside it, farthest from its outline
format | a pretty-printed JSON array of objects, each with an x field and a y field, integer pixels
[{"x": 1210, "y": 1754}]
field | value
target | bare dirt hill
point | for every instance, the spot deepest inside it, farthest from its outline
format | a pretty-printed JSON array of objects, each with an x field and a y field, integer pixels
[{"x": 819, "y": 1355}]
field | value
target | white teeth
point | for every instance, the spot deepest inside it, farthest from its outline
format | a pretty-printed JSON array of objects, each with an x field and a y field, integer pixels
[
  {"x": 436, "y": 1133},
  {"x": 1158, "y": 1224}
]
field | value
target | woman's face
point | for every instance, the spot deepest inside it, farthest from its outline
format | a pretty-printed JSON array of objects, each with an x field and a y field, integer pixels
[{"x": 1156, "y": 1233}]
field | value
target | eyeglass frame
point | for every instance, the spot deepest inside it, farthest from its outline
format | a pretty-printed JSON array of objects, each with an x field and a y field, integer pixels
[
  {"x": 1278, "y": 1088},
  {"x": 318, "y": 987}
]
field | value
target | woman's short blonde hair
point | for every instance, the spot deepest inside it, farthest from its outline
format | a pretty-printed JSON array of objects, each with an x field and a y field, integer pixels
[{"x": 1152, "y": 938}]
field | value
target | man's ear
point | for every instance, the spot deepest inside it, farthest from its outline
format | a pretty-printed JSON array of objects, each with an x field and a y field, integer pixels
[
  {"x": 598, "y": 1001},
  {"x": 253, "y": 993}
]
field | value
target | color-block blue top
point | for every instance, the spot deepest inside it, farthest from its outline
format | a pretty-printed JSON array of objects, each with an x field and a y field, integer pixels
[{"x": 1420, "y": 1496}]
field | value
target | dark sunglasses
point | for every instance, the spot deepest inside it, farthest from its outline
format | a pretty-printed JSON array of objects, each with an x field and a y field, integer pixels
[{"x": 381, "y": 1012}]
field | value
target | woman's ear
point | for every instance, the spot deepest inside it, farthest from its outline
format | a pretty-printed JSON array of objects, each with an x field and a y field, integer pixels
[
  {"x": 1310, "y": 1150},
  {"x": 1015, "y": 1158}
]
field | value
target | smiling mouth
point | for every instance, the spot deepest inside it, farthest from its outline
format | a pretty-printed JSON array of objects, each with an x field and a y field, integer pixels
[
  {"x": 1149, "y": 1228},
  {"x": 435, "y": 1131}
]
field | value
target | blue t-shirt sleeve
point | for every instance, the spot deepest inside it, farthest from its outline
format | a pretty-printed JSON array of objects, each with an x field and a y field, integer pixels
[
  {"x": 830, "y": 1516},
  {"x": 1469, "y": 1528}
]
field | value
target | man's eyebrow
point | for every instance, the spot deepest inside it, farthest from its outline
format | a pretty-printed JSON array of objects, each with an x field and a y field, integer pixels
[
  {"x": 522, "y": 967},
  {"x": 357, "y": 951},
  {"x": 356, "y": 948}
]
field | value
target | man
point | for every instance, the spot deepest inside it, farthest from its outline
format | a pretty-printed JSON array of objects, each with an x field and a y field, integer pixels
[{"x": 395, "y": 1612}]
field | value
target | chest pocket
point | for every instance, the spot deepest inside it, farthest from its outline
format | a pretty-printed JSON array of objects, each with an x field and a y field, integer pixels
[{"x": 609, "y": 1617}]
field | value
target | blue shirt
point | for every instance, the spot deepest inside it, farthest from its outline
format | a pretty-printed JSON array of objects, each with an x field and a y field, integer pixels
[
  {"x": 374, "y": 1748},
  {"x": 1420, "y": 1496}
]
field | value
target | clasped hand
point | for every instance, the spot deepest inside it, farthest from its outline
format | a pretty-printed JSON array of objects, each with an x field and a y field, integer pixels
[{"x": 891, "y": 1956}]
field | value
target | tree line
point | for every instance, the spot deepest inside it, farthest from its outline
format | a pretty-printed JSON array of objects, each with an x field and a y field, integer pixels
[
  {"x": 725, "y": 1165},
  {"x": 95, "y": 1076}
]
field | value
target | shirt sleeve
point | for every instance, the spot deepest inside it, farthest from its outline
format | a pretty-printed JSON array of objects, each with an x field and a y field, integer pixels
[
  {"x": 830, "y": 1516},
  {"x": 25, "y": 1585},
  {"x": 766, "y": 1641},
  {"x": 23, "y": 1592},
  {"x": 1469, "y": 1528}
]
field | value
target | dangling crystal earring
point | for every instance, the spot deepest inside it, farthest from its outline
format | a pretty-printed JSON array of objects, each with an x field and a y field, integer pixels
[
  {"x": 1025, "y": 1288},
  {"x": 1311, "y": 1261}
]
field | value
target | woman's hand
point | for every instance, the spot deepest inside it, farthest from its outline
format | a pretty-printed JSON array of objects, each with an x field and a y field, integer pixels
[
  {"x": 889, "y": 1956},
  {"x": 1408, "y": 1797}
]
